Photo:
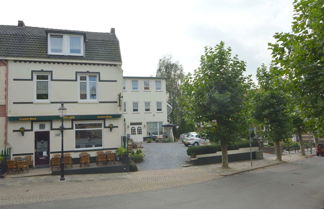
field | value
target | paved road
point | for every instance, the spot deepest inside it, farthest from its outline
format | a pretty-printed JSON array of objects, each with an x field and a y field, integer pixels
[
  {"x": 163, "y": 156},
  {"x": 297, "y": 185}
]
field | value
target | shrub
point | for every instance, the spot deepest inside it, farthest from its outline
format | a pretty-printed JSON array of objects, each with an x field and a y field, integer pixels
[
  {"x": 149, "y": 140},
  {"x": 132, "y": 166},
  {"x": 198, "y": 150},
  {"x": 121, "y": 151},
  {"x": 137, "y": 156}
]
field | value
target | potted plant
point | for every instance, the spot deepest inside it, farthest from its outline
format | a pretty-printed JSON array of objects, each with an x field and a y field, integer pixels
[{"x": 121, "y": 153}]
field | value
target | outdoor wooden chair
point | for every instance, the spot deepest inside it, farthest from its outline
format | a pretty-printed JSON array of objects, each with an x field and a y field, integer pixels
[
  {"x": 29, "y": 160},
  {"x": 68, "y": 160},
  {"x": 101, "y": 158},
  {"x": 12, "y": 166},
  {"x": 111, "y": 157},
  {"x": 22, "y": 165},
  {"x": 55, "y": 162},
  {"x": 84, "y": 159}
]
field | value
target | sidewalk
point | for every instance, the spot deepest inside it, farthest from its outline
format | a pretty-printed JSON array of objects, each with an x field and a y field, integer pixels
[{"x": 22, "y": 190}]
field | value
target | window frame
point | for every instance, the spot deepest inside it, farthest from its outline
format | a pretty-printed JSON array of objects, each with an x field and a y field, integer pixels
[
  {"x": 88, "y": 99},
  {"x": 149, "y": 110},
  {"x": 48, "y": 87},
  {"x": 66, "y": 47},
  {"x": 137, "y": 107},
  {"x": 146, "y": 88},
  {"x": 160, "y": 81},
  {"x": 80, "y": 129},
  {"x": 159, "y": 102},
  {"x": 133, "y": 86}
]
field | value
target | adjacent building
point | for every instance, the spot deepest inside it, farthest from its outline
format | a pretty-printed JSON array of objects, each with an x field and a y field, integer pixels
[
  {"x": 42, "y": 68},
  {"x": 144, "y": 106}
]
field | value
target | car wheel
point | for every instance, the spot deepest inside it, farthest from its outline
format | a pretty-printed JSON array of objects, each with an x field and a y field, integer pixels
[{"x": 196, "y": 144}]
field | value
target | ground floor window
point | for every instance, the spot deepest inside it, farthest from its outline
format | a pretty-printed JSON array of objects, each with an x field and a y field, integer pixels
[
  {"x": 154, "y": 128},
  {"x": 88, "y": 135}
]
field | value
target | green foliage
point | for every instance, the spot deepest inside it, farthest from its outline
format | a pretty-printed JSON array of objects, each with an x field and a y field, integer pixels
[
  {"x": 173, "y": 73},
  {"x": 149, "y": 140},
  {"x": 290, "y": 145},
  {"x": 121, "y": 151},
  {"x": 198, "y": 150},
  {"x": 214, "y": 95},
  {"x": 137, "y": 156},
  {"x": 271, "y": 106},
  {"x": 298, "y": 56}
]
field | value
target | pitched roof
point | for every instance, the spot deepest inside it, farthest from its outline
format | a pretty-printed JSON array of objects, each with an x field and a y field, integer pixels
[{"x": 31, "y": 42}]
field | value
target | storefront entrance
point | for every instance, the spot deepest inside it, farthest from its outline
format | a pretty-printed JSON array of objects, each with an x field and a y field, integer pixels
[{"x": 42, "y": 149}]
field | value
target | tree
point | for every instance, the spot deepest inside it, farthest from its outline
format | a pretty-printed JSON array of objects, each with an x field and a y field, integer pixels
[
  {"x": 215, "y": 95},
  {"x": 299, "y": 56},
  {"x": 271, "y": 108},
  {"x": 173, "y": 73}
]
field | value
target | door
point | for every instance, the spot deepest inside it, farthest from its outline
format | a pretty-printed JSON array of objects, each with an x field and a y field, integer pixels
[{"x": 42, "y": 148}]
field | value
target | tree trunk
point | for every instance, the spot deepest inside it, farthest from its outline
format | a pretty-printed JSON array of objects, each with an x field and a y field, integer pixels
[
  {"x": 302, "y": 144},
  {"x": 278, "y": 151},
  {"x": 224, "y": 155}
]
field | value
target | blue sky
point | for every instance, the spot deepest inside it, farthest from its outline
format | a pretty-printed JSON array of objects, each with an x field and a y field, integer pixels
[{"x": 149, "y": 30}]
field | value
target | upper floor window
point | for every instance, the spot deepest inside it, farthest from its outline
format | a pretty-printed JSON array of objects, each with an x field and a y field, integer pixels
[
  {"x": 158, "y": 106},
  {"x": 147, "y": 106},
  {"x": 88, "y": 87},
  {"x": 158, "y": 85},
  {"x": 62, "y": 44},
  {"x": 124, "y": 84},
  {"x": 146, "y": 85},
  {"x": 135, "y": 106},
  {"x": 135, "y": 85},
  {"x": 42, "y": 86},
  {"x": 125, "y": 107}
]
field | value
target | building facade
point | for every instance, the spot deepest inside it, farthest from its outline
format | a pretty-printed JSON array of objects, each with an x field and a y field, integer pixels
[
  {"x": 144, "y": 106},
  {"x": 49, "y": 67}
]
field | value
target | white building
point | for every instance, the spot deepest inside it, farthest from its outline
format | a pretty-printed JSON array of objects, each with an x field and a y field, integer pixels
[
  {"x": 144, "y": 106},
  {"x": 41, "y": 68}
]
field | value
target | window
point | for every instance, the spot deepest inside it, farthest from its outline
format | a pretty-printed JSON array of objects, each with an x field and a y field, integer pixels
[
  {"x": 135, "y": 106},
  {"x": 146, "y": 85},
  {"x": 75, "y": 44},
  {"x": 64, "y": 44},
  {"x": 147, "y": 106},
  {"x": 56, "y": 43},
  {"x": 139, "y": 130},
  {"x": 158, "y": 106},
  {"x": 133, "y": 131},
  {"x": 88, "y": 87},
  {"x": 88, "y": 135},
  {"x": 154, "y": 128},
  {"x": 125, "y": 107},
  {"x": 42, "y": 84},
  {"x": 135, "y": 85},
  {"x": 158, "y": 85},
  {"x": 124, "y": 84}
]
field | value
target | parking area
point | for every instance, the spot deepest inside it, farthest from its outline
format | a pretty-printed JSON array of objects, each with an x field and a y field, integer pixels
[{"x": 163, "y": 156}]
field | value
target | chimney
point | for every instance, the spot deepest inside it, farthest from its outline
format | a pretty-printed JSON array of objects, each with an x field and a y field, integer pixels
[
  {"x": 21, "y": 23},
  {"x": 112, "y": 30}
]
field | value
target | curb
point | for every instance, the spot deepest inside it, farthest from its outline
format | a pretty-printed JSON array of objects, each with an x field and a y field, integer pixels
[{"x": 252, "y": 169}]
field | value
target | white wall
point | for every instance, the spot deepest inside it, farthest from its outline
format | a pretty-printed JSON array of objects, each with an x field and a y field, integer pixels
[{"x": 141, "y": 96}]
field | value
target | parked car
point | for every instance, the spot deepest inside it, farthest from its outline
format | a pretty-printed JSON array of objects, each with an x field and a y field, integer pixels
[
  {"x": 194, "y": 139},
  {"x": 320, "y": 150}
]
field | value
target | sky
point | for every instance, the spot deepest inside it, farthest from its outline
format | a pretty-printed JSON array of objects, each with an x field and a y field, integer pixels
[{"x": 151, "y": 29}]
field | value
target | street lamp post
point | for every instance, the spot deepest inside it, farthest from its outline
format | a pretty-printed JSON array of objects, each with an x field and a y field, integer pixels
[{"x": 62, "y": 110}]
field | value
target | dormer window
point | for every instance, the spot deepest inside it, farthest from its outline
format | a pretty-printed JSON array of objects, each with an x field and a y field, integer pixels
[{"x": 64, "y": 44}]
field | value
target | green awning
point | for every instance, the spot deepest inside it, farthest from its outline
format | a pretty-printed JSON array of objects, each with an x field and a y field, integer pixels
[{"x": 67, "y": 117}]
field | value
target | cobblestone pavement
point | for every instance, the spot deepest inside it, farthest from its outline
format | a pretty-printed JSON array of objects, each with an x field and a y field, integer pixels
[
  {"x": 163, "y": 156},
  {"x": 20, "y": 190}
]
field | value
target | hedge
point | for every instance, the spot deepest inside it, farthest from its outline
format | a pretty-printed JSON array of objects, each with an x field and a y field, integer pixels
[{"x": 198, "y": 150}]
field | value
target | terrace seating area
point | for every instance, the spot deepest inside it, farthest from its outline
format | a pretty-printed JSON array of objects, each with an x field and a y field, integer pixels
[{"x": 20, "y": 164}]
